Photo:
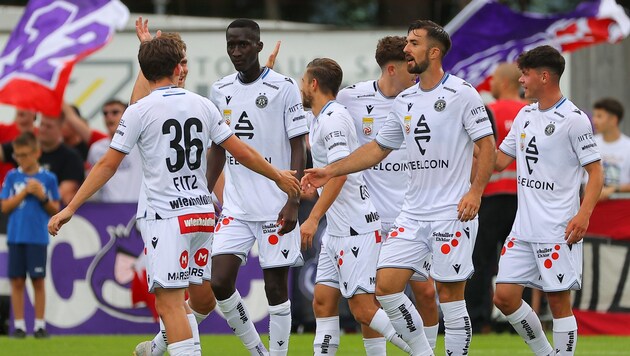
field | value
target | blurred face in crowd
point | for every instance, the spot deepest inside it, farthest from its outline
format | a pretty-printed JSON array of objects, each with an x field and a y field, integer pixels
[
  {"x": 112, "y": 114},
  {"x": 26, "y": 156},
  {"x": 603, "y": 121},
  {"x": 417, "y": 51},
  {"x": 242, "y": 48},
  {"x": 25, "y": 120},
  {"x": 50, "y": 131}
]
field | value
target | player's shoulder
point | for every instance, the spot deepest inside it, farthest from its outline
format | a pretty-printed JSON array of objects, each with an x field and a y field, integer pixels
[
  {"x": 411, "y": 91},
  {"x": 276, "y": 80},
  {"x": 360, "y": 90},
  {"x": 225, "y": 82},
  {"x": 457, "y": 86}
]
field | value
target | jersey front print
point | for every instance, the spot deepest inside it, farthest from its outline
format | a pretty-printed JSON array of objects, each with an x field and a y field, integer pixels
[
  {"x": 265, "y": 114},
  {"x": 439, "y": 127},
  {"x": 333, "y": 137},
  {"x": 550, "y": 148},
  {"x": 173, "y": 140},
  {"x": 387, "y": 180}
]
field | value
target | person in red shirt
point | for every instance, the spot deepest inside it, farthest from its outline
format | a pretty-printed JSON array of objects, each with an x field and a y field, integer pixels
[
  {"x": 498, "y": 203},
  {"x": 24, "y": 121}
]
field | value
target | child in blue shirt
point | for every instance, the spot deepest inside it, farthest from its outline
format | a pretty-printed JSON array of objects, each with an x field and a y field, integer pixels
[{"x": 30, "y": 196}]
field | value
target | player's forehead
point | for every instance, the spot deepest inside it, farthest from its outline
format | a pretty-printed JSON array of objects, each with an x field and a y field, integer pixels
[
  {"x": 417, "y": 34},
  {"x": 241, "y": 34}
]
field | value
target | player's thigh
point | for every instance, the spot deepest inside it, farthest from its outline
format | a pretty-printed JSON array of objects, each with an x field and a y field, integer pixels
[
  {"x": 233, "y": 237},
  {"x": 405, "y": 249},
  {"x": 560, "y": 266},
  {"x": 452, "y": 243},
  {"x": 277, "y": 250}
]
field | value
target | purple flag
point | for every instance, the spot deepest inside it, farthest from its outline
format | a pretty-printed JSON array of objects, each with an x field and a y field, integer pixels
[
  {"x": 50, "y": 38},
  {"x": 486, "y": 33}
]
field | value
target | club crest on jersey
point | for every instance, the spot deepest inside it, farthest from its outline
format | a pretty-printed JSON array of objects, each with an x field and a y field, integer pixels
[
  {"x": 439, "y": 105},
  {"x": 368, "y": 124},
  {"x": 407, "y": 123},
  {"x": 261, "y": 101},
  {"x": 227, "y": 116},
  {"x": 523, "y": 141},
  {"x": 550, "y": 129}
]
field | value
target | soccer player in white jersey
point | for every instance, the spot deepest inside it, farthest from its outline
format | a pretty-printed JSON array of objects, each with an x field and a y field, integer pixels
[
  {"x": 173, "y": 128},
  {"x": 440, "y": 120},
  {"x": 369, "y": 104},
  {"x": 264, "y": 109},
  {"x": 551, "y": 140},
  {"x": 351, "y": 243}
]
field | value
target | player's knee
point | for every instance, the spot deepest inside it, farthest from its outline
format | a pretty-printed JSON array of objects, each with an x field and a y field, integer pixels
[
  {"x": 363, "y": 315},
  {"x": 276, "y": 293},
  {"x": 426, "y": 295},
  {"x": 504, "y": 302},
  {"x": 323, "y": 307}
]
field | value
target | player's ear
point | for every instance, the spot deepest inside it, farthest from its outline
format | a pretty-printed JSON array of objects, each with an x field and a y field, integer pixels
[{"x": 259, "y": 46}]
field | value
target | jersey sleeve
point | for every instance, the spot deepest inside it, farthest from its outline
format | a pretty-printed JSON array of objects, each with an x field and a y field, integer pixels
[
  {"x": 294, "y": 116},
  {"x": 219, "y": 130},
  {"x": 391, "y": 135},
  {"x": 335, "y": 135},
  {"x": 128, "y": 131},
  {"x": 508, "y": 145},
  {"x": 52, "y": 188},
  {"x": 214, "y": 95},
  {"x": 583, "y": 141},
  {"x": 474, "y": 115},
  {"x": 7, "y": 186}
]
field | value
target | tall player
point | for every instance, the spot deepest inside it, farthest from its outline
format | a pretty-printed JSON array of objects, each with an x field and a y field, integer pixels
[
  {"x": 264, "y": 109},
  {"x": 440, "y": 120},
  {"x": 551, "y": 141},
  {"x": 369, "y": 103},
  {"x": 173, "y": 128}
]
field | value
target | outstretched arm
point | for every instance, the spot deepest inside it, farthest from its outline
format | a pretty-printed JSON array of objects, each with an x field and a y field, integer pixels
[
  {"x": 325, "y": 200},
  {"x": 362, "y": 158},
  {"x": 288, "y": 216}
]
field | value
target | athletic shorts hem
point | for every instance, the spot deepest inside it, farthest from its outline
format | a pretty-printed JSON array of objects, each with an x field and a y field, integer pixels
[
  {"x": 401, "y": 267},
  {"x": 454, "y": 280},
  {"x": 157, "y": 283},
  {"x": 356, "y": 291},
  {"x": 326, "y": 281},
  {"x": 298, "y": 262},
  {"x": 419, "y": 277}
]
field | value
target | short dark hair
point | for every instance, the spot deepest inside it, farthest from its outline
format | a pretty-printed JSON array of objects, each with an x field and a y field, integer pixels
[
  {"x": 176, "y": 36},
  {"x": 159, "y": 57},
  {"x": 390, "y": 48},
  {"x": 327, "y": 72},
  {"x": 26, "y": 139},
  {"x": 435, "y": 33},
  {"x": 245, "y": 23},
  {"x": 611, "y": 106},
  {"x": 115, "y": 101},
  {"x": 542, "y": 57}
]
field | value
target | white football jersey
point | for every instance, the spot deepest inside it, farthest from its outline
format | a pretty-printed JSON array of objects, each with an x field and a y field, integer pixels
[
  {"x": 616, "y": 160},
  {"x": 124, "y": 185},
  {"x": 550, "y": 148},
  {"x": 332, "y": 138},
  {"x": 387, "y": 181},
  {"x": 173, "y": 129},
  {"x": 439, "y": 127},
  {"x": 265, "y": 114}
]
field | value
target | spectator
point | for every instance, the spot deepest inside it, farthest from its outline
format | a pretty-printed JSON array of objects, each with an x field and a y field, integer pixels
[
  {"x": 498, "y": 204},
  {"x": 613, "y": 145},
  {"x": 24, "y": 121},
  {"x": 30, "y": 196},
  {"x": 124, "y": 186},
  {"x": 76, "y": 131}
]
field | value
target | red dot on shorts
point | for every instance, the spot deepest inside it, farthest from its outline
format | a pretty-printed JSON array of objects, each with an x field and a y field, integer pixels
[
  {"x": 340, "y": 261},
  {"x": 557, "y": 247},
  {"x": 446, "y": 249},
  {"x": 231, "y": 218},
  {"x": 458, "y": 234},
  {"x": 225, "y": 221},
  {"x": 548, "y": 263},
  {"x": 341, "y": 253},
  {"x": 503, "y": 251},
  {"x": 555, "y": 255},
  {"x": 454, "y": 243},
  {"x": 393, "y": 234},
  {"x": 401, "y": 229},
  {"x": 273, "y": 239},
  {"x": 510, "y": 244},
  {"x": 216, "y": 228}
]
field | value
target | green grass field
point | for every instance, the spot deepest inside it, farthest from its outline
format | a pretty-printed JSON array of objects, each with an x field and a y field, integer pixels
[{"x": 228, "y": 345}]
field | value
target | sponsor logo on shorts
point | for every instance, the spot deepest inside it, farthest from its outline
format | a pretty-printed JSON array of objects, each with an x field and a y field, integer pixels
[
  {"x": 183, "y": 259},
  {"x": 154, "y": 241},
  {"x": 549, "y": 254},
  {"x": 201, "y": 257},
  {"x": 285, "y": 253},
  {"x": 190, "y": 223},
  {"x": 355, "y": 251}
]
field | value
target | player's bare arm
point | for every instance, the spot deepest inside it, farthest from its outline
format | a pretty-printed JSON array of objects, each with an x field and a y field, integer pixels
[
  {"x": 484, "y": 165},
  {"x": 362, "y": 158},
  {"x": 287, "y": 218},
  {"x": 102, "y": 171},
  {"x": 271, "y": 61},
  {"x": 503, "y": 161},
  {"x": 328, "y": 196},
  {"x": 216, "y": 162},
  {"x": 251, "y": 159},
  {"x": 576, "y": 229}
]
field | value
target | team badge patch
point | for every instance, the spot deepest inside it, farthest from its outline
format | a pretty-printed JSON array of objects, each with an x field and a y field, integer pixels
[
  {"x": 550, "y": 129},
  {"x": 407, "y": 123},
  {"x": 523, "y": 141},
  {"x": 227, "y": 116},
  {"x": 439, "y": 105},
  {"x": 261, "y": 101},
  {"x": 368, "y": 125}
]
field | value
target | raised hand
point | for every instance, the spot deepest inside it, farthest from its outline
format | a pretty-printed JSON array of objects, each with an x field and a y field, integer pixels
[
  {"x": 272, "y": 57},
  {"x": 142, "y": 30}
]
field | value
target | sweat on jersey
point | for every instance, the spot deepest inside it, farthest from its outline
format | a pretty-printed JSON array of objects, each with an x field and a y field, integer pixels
[
  {"x": 333, "y": 137},
  {"x": 550, "y": 147},
  {"x": 173, "y": 129},
  {"x": 387, "y": 180},
  {"x": 439, "y": 127},
  {"x": 265, "y": 114}
]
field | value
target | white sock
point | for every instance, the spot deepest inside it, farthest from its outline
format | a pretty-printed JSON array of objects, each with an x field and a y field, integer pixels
[
  {"x": 326, "y": 336},
  {"x": 279, "y": 328},
  {"x": 431, "y": 332},
  {"x": 159, "y": 344},
  {"x": 565, "y": 335},
  {"x": 406, "y": 321},
  {"x": 39, "y": 324},
  {"x": 381, "y": 323},
  {"x": 183, "y": 348},
  {"x": 458, "y": 329},
  {"x": 237, "y": 317},
  {"x": 19, "y": 324},
  {"x": 527, "y": 324},
  {"x": 194, "y": 327},
  {"x": 198, "y": 316},
  {"x": 375, "y": 346}
]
